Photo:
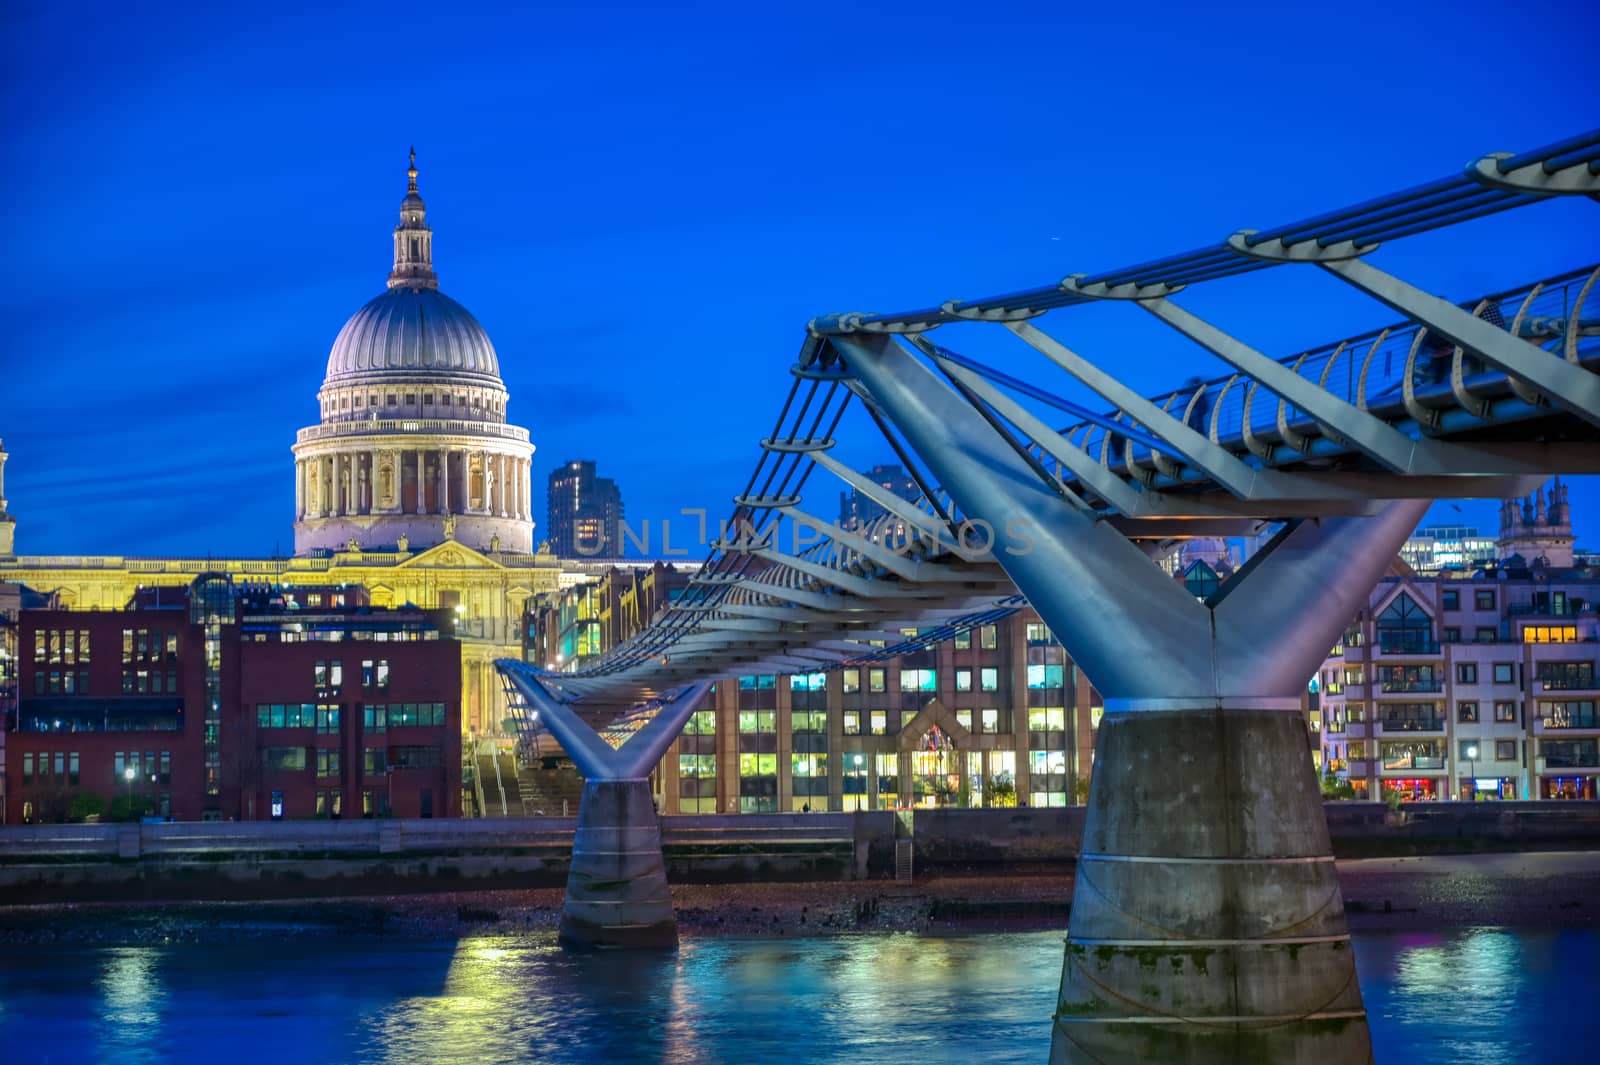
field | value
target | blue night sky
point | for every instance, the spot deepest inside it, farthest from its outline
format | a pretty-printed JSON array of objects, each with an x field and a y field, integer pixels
[{"x": 644, "y": 205}]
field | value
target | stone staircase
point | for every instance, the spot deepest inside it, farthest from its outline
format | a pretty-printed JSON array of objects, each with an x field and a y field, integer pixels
[
  {"x": 506, "y": 762},
  {"x": 550, "y": 787},
  {"x": 489, "y": 781}
]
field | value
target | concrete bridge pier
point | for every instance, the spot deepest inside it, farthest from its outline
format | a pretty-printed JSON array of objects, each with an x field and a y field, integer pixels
[
  {"x": 1207, "y": 924},
  {"x": 617, "y": 893}
]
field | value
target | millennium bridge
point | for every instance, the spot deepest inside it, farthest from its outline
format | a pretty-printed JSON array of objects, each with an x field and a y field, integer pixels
[{"x": 1206, "y": 920}]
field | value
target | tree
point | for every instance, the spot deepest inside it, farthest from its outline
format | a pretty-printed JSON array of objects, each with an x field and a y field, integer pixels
[
  {"x": 126, "y": 808},
  {"x": 86, "y": 804},
  {"x": 1334, "y": 788},
  {"x": 1002, "y": 790}
]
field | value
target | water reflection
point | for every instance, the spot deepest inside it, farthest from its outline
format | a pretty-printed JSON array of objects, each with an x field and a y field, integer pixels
[
  {"x": 132, "y": 992},
  {"x": 1487, "y": 995}
]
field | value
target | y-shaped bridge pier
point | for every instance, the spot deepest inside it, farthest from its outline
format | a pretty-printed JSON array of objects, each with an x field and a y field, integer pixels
[{"x": 617, "y": 894}]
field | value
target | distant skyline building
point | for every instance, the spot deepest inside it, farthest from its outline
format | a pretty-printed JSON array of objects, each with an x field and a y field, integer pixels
[
  {"x": 857, "y": 509},
  {"x": 1433, "y": 548},
  {"x": 413, "y": 448},
  {"x": 584, "y": 511},
  {"x": 1538, "y": 528}
]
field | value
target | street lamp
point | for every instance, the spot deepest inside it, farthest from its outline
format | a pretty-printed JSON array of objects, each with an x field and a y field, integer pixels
[
  {"x": 128, "y": 775},
  {"x": 1471, "y": 752}
]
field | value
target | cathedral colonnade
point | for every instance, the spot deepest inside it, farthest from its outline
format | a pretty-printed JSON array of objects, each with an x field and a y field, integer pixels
[{"x": 398, "y": 477}]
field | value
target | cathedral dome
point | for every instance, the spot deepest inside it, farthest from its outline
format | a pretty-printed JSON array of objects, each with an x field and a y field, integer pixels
[
  {"x": 408, "y": 329},
  {"x": 413, "y": 447}
]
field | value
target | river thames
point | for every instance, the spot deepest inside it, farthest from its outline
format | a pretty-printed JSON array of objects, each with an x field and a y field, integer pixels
[{"x": 1483, "y": 995}]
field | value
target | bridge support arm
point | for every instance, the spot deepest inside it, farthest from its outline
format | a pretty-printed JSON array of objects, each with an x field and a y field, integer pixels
[{"x": 617, "y": 893}]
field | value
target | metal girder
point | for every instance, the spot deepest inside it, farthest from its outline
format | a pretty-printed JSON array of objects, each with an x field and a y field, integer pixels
[
  {"x": 1365, "y": 432},
  {"x": 908, "y": 569},
  {"x": 1145, "y": 502},
  {"x": 1565, "y": 385},
  {"x": 1173, "y": 529},
  {"x": 1224, "y": 467},
  {"x": 903, "y": 509},
  {"x": 1099, "y": 480},
  {"x": 849, "y": 582},
  {"x": 804, "y": 597},
  {"x": 796, "y": 615}
]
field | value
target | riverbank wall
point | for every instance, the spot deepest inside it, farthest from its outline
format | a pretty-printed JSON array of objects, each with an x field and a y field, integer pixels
[{"x": 290, "y": 859}]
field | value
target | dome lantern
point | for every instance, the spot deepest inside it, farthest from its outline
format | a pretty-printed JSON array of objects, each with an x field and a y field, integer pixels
[{"x": 413, "y": 240}]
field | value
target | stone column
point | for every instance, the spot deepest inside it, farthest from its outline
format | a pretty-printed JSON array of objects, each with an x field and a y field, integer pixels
[
  {"x": 444, "y": 480},
  {"x": 336, "y": 505},
  {"x": 422, "y": 482},
  {"x": 299, "y": 489}
]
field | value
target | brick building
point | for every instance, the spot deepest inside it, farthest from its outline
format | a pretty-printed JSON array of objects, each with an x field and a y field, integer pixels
[{"x": 215, "y": 703}]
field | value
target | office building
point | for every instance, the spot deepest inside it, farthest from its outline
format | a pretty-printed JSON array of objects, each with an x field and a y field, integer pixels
[{"x": 584, "y": 512}]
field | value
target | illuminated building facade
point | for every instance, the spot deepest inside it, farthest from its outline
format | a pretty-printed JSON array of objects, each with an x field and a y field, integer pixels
[
  {"x": 217, "y": 703},
  {"x": 1480, "y": 686},
  {"x": 413, "y": 447},
  {"x": 1448, "y": 547},
  {"x": 584, "y": 512}
]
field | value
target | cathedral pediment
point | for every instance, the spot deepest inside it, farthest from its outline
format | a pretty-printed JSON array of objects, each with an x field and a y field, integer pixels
[{"x": 450, "y": 555}]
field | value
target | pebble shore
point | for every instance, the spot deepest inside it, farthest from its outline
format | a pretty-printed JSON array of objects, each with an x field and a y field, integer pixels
[{"x": 1433, "y": 893}]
